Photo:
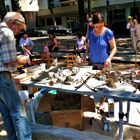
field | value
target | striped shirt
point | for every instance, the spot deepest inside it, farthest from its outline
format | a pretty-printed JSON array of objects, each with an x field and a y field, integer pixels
[{"x": 8, "y": 51}]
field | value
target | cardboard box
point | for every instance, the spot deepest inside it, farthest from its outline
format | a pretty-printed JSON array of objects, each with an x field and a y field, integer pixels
[
  {"x": 87, "y": 103},
  {"x": 68, "y": 118},
  {"x": 111, "y": 107},
  {"x": 45, "y": 104},
  {"x": 32, "y": 89},
  {"x": 18, "y": 87},
  {"x": 60, "y": 101},
  {"x": 64, "y": 101}
]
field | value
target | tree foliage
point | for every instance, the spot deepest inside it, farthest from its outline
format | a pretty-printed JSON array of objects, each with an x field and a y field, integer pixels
[
  {"x": 81, "y": 13},
  {"x": 50, "y": 7},
  {"x": 15, "y": 5},
  {"x": 2, "y": 9}
]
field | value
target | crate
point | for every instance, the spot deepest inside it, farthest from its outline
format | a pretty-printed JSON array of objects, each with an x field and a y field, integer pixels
[
  {"x": 68, "y": 118},
  {"x": 87, "y": 103}
]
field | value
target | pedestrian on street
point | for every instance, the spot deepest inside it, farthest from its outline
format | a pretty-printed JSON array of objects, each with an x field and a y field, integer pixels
[
  {"x": 101, "y": 46},
  {"x": 131, "y": 27},
  {"x": 11, "y": 108},
  {"x": 137, "y": 27}
]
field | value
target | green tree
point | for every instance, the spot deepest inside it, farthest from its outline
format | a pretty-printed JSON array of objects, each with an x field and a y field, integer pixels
[
  {"x": 81, "y": 13},
  {"x": 50, "y": 7},
  {"x": 15, "y": 5}
]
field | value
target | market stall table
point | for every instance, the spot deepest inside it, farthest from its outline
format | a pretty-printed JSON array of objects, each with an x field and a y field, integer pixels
[{"x": 123, "y": 91}]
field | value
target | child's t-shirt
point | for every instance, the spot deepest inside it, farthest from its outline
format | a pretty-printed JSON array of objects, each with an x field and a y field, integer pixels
[
  {"x": 81, "y": 42},
  {"x": 46, "y": 49}
]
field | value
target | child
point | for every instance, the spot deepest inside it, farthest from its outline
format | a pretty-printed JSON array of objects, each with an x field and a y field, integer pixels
[
  {"x": 26, "y": 44},
  {"x": 46, "y": 48},
  {"x": 46, "y": 55},
  {"x": 80, "y": 43}
]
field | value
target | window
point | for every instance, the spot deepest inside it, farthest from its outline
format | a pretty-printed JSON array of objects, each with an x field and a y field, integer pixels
[{"x": 42, "y": 22}]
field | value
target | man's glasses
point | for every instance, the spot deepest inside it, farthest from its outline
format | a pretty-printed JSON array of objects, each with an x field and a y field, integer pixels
[{"x": 21, "y": 22}]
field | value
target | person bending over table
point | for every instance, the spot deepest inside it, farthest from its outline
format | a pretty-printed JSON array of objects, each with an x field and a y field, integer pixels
[
  {"x": 101, "y": 45},
  {"x": 11, "y": 108}
]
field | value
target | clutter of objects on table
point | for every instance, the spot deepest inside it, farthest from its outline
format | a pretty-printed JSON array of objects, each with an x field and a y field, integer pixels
[{"x": 93, "y": 79}]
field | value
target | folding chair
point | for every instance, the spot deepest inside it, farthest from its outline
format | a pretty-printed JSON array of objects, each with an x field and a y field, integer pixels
[{"x": 71, "y": 60}]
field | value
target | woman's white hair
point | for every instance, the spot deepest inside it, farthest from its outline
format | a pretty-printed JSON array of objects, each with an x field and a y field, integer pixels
[{"x": 10, "y": 16}]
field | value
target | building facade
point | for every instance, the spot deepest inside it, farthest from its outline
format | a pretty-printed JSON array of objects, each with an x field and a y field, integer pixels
[
  {"x": 66, "y": 11},
  {"x": 29, "y": 9},
  {"x": 37, "y": 12}
]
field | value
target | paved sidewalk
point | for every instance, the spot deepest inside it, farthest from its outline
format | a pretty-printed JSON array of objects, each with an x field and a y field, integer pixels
[
  {"x": 48, "y": 132},
  {"x": 125, "y": 52}
]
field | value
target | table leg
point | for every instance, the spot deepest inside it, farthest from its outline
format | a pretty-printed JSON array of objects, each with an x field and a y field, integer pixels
[
  {"x": 32, "y": 111},
  {"x": 128, "y": 109},
  {"x": 120, "y": 120}
]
